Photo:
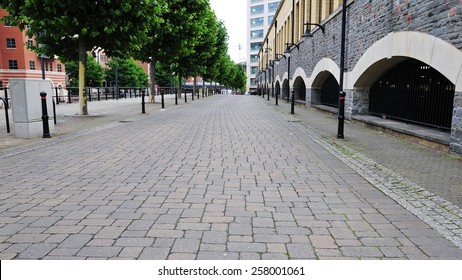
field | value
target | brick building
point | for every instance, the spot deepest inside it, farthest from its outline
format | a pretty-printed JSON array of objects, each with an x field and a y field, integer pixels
[
  {"x": 17, "y": 61},
  {"x": 403, "y": 59}
]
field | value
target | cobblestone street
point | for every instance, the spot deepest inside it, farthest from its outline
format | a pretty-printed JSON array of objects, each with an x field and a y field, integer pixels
[{"x": 226, "y": 177}]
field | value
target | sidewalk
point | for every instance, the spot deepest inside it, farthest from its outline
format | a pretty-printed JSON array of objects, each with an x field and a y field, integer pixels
[
  {"x": 436, "y": 171},
  {"x": 226, "y": 177},
  {"x": 101, "y": 112}
]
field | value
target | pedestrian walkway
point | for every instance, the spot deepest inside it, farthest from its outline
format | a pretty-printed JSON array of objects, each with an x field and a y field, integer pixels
[{"x": 226, "y": 177}]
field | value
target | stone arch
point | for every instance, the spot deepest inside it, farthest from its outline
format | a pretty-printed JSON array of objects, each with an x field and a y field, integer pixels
[
  {"x": 285, "y": 89},
  {"x": 324, "y": 70},
  {"x": 277, "y": 87},
  {"x": 321, "y": 72},
  {"x": 299, "y": 88},
  {"x": 397, "y": 47}
]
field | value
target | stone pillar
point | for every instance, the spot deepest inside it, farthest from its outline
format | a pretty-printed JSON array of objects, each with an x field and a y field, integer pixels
[
  {"x": 356, "y": 102},
  {"x": 314, "y": 94},
  {"x": 456, "y": 130}
]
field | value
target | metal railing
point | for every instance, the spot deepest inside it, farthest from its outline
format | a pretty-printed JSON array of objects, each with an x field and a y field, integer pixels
[{"x": 71, "y": 94}]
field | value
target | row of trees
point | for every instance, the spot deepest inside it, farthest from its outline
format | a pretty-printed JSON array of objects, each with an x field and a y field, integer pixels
[
  {"x": 183, "y": 36},
  {"x": 129, "y": 73}
]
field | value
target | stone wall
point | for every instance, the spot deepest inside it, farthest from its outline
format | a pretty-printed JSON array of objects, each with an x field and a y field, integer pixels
[{"x": 367, "y": 23}]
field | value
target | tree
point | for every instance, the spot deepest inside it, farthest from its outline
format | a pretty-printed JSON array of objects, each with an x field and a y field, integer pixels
[
  {"x": 94, "y": 74},
  {"x": 129, "y": 73},
  {"x": 70, "y": 29},
  {"x": 212, "y": 65},
  {"x": 173, "y": 38}
]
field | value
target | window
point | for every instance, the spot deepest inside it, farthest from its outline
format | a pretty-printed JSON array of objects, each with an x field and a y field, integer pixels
[
  {"x": 60, "y": 68},
  {"x": 255, "y": 46},
  {"x": 32, "y": 65},
  {"x": 254, "y": 22},
  {"x": 253, "y": 1},
  {"x": 255, "y": 34},
  {"x": 254, "y": 10},
  {"x": 252, "y": 82},
  {"x": 254, "y": 58},
  {"x": 12, "y": 64},
  {"x": 270, "y": 19},
  {"x": 10, "y": 43},
  {"x": 272, "y": 7},
  {"x": 253, "y": 70},
  {"x": 30, "y": 42}
]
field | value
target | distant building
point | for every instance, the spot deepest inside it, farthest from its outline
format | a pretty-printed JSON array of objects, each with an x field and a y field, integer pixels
[
  {"x": 17, "y": 61},
  {"x": 260, "y": 14}
]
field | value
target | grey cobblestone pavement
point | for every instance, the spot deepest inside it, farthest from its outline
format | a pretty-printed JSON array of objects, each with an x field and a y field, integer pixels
[{"x": 226, "y": 177}]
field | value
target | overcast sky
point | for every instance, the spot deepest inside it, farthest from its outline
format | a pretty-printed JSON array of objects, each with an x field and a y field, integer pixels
[{"x": 234, "y": 15}]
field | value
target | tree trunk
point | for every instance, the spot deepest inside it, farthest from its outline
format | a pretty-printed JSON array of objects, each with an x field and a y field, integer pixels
[
  {"x": 152, "y": 71},
  {"x": 82, "y": 66},
  {"x": 179, "y": 85},
  {"x": 203, "y": 87}
]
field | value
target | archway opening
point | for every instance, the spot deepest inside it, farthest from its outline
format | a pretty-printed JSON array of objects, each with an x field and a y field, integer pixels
[
  {"x": 285, "y": 89},
  {"x": 412, "y": 91},
  {"x": 300, "y": 89},
  {"x": 329, "y": 92}
]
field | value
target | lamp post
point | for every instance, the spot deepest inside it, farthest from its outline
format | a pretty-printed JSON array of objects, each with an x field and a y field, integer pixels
[
  {"x": 276, "y": 62},
  {"x": 341, "y": 101}
]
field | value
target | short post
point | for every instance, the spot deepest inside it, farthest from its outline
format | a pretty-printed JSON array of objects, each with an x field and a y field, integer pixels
[
  {"x": 99, "y": 95},
  {"x": 292, "y": 103},
  {"x": 185, "y": 96},
  {"x": 5, "y": 102},
  {"x": 176, "y": 97},
  {"x": 143, "y": 104},
  {"x": 69, "y": 100},
  {"x": 277, "y": 95},
  {"x": 162, "y": 92},
  {"x": 46, "y": 128},
  {"x": 57, "y": 97}
]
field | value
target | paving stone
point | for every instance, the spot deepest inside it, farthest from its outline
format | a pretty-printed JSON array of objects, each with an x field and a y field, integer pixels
[
  {"x": 209, "y": 184},
  {"x": 183, "y": 245},
  {"x": 99, "y": 252}
]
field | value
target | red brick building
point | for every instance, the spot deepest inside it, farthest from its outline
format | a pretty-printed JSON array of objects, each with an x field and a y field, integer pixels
[{"x": 17, "y": 61}]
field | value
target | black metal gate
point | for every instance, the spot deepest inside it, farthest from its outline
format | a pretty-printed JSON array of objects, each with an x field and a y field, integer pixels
[
  {"x": 329, "y": 92},
  {"x": 414, "y": 92}
]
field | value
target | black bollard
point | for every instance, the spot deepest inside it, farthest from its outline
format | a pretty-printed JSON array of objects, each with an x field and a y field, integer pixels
[
  {"x": 162, "y": 92},
  {"x": 277, "y": 96},
  {"x": 46, "y": 128},
  {"x": 292, "y": 103},
  {"x": 143, "y": 104}
]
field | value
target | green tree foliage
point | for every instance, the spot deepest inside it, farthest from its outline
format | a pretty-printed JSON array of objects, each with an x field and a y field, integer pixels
[
  {"x": 174, "y": 39},
  {"x": 129, "y": 73},
  {"x": 69, "y": 29},
  {"x": 94, "y": 72}
]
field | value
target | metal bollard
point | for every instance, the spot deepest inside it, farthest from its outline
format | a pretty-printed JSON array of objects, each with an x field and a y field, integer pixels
[
  {"x": 46, "y": 128},
  {"x": 143, "y": 104},
  {"x": 292, "y": 103},
  {"x": 162, "y": 92},
  {"x": 7, "y": 120},
  {"x": 277, "y": 96}
]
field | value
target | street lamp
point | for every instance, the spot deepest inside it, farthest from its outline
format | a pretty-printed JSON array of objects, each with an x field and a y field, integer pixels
[
  {"x": 277, "y": 57},
  {"x": 307, "y": 33},
  {"x": 341, "y": 101}
]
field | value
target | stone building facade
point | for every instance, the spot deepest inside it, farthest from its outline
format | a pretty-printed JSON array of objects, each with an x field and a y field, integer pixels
[{"x": 419, "y": 41}]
